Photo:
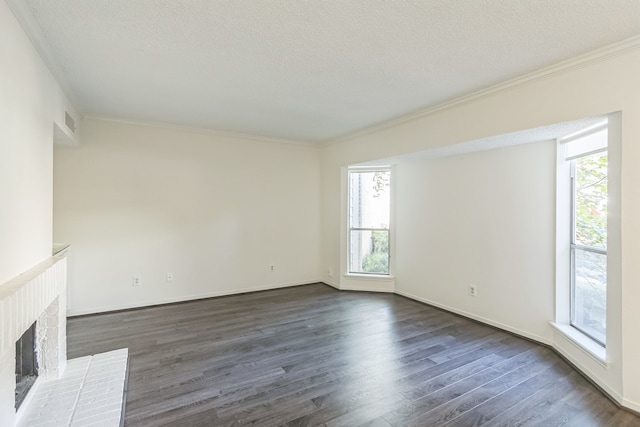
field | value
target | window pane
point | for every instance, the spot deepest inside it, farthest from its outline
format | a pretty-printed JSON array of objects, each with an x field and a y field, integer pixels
[
  {"x": 369, "y": 199},
  {"x": 590, "y": 293},
  {"x": 591, "y": 201},
  {"x": 369, "y": 252}
]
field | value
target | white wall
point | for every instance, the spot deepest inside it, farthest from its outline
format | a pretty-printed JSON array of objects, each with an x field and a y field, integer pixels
[
  {"x": 213, "y": 210},
  {"x": 488, "y": 219},
  {"x": 602, "y": 83},
  {"x": 30, "y": 101}
]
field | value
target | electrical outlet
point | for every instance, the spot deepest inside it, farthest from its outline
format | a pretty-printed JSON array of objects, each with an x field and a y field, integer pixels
[
  {"x": 137, "y": 281},
  {"x": 472, "y": 290},
  {"x": 330, "y": 272},
  {"x": 272, "y": 268},
  {"x": 169, "y": 277}
]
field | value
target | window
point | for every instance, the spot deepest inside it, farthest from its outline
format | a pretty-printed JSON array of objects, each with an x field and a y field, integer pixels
[
  {"x": 588, "y": 159},
  {"x": 369, "y": 213}
]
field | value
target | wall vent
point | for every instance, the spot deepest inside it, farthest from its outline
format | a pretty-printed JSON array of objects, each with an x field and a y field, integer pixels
[{"x": 68, "y": 120}]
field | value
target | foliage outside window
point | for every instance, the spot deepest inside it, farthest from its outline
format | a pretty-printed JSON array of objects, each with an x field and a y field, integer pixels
[
  {"x": 369, "y": 212},
  {"x": 589, "y": 245}
]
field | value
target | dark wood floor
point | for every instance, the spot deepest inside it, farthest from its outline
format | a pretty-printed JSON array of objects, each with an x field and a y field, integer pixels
[{"x": 311, "y": 355}]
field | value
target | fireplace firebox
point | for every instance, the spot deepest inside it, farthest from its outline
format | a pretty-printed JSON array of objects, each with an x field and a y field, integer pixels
[{"x": 26, "y": 364}]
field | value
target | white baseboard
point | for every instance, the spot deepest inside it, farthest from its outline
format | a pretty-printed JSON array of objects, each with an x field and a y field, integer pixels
[
  {"x": 634, "y": 406},
  {"x": 116, "y": 307},
  {"x": 333, "y": 285},
  {"x": 538, "y": 338},
  {"x": 589, "y": 373},
  {"x": 366, "y": 289},
  {"x": 380, "y": 287}
]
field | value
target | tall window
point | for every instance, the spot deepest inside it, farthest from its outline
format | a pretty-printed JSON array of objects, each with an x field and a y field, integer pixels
[
  {"x": 589, "y": 166},
  {"x": 369, "y": 212}
]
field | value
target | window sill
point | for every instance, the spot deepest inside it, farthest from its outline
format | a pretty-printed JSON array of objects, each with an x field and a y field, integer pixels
[
  {"x": 374, "y": 277},
  {"x": 583, "y": 342}
]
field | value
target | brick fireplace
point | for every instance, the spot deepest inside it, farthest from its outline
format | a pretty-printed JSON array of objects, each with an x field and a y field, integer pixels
[{"x": 38, "y": 296}]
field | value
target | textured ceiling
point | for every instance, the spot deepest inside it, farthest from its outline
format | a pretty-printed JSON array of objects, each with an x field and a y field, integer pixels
[{"x": 307, "y": 70}]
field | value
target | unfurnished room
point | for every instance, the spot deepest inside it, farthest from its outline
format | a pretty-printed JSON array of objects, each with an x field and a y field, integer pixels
[{"x": 320, "y": 213}]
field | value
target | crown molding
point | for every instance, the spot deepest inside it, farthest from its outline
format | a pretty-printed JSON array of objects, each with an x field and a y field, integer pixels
[
  {"x": 31, "y": 28},
  {"x": 34, "y": 33},
  {"x": 200, "y": 130},
  {"x": 589, "y": 58}
]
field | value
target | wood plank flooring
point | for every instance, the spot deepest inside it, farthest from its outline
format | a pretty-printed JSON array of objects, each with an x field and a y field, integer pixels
[{"x": 311, "y": 355}]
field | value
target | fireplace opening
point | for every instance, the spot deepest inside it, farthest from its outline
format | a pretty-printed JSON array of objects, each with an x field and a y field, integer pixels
[{"x": 26, "y": 364}]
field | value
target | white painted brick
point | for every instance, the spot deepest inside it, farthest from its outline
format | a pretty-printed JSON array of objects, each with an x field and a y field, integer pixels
[
  {"x": 7, "y": 368},
  {"x": 97, "y": 396},
  {"x": 15, "y": 322},
  {"x": 24, "y": 300},
  {"x": 26, "y": 304},
  {"x": 42, "y": 422},
  {"x": 5, "y": 315},
  {"x": 111, "y": 419},
  {"x": 32, "y": 307},
  {"x": 103, "y": 410}
]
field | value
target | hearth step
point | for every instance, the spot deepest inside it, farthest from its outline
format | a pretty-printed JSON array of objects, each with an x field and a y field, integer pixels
[{"x": 91, "y": 392}]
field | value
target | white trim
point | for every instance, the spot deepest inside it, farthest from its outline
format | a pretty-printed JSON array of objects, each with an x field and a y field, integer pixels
[
  {"x": 585, "y": 132},
  {"x": 566, "y": 66},
  {"x": 103, "y": 309},
  {"x": 490, "y": 322},
  {"x": 372, "y": 277},
  {"x": 586, "y": 371},
  {"x": 32, "y": 30},
  {"x": 368, "y": 168},
  {"x": 592, "y": 376},
  {"x": 333, "y": 285},
  {"x": 390, "y": 230},
  {"x": 586, "y": 154},
  {"x": 200, "y": 131},
  {"x": 367, "y": 289},
  {"x": 634, "y": 406},
  {"x": 582, "y": 342}
]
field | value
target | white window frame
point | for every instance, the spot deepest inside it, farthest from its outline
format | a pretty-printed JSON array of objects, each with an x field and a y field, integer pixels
[
  {"x": 567, "y": 339},
  {"x": 349, "y": 229},
  {"x": 573, "y": 246}
]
